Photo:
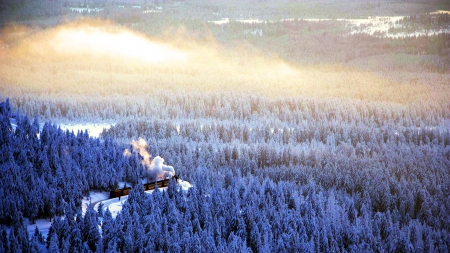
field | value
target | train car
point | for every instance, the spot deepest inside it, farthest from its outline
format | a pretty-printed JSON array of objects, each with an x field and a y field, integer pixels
[{"x": 148, "y": 186}]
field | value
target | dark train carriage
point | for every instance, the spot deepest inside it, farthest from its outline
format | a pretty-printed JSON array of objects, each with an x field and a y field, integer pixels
[
  {"x": 147, "y": 187},
  {"x": 119, "y": 192}
]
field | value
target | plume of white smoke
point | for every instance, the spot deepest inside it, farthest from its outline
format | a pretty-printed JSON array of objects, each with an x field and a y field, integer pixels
[
  {"x": 161, "y": 170},
  {"x": 155, "y": 168},
  {"x": 141, "y": 146}
]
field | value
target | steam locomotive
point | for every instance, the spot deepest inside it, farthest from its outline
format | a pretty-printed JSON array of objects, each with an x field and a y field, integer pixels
[{"x": 148, "y": 186}]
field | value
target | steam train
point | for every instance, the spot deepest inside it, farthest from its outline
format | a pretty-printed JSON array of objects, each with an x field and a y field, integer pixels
[{"x": 148, "y": 186}]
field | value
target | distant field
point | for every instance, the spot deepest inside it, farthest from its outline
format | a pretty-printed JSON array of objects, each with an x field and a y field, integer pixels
[
  {"x": 55, "y": 62},
  {"x": 309, "y": 9}
]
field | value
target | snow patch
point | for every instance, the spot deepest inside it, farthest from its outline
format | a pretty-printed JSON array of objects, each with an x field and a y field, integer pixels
[
  {"x": 185, "y": 185},
  {"x": 94, "y": 129},
  {"x": 93, "y": 198},
  {"x": 115, "y": 204},
  {"x": 43, "y": 226}
]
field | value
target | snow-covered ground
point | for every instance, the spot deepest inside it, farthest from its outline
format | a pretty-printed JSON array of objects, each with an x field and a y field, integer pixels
[
  {"x": 382, "y": 25},
  {"x": 94, "y": 197},
  {"x": 42, "y": 224},
  {"x": 85, "y": 10},
  {"x": 94, "y": 129},
  {"x": 114, "y": 205},
  {"x": 377, "y": 26}
]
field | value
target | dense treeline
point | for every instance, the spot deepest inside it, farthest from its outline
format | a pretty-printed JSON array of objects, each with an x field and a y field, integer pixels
[
  {"x": 45, "y": 171},
  {"x": 298, "y": 41},
  {"x": 425, "y": 22},
  {"x": 306, "y": 42},
  {"x": 233, "y": 105},
  {"x": 270, "y": 175},
  {"x": 347, "y": 146},
  {"x": 243, "y": 215},
  {"x": 349, "y": 169},
  {"x": 262, "y": 216},
  {"x": 21, "y": 10}
]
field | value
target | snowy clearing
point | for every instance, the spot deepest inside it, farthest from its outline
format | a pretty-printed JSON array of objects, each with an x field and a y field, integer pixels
[
  {"x": 371, "y": 25},
  {"x": 94, "y": 129},
  {"x": 94, "y": 197},
  {"x": 43, "y": 226}
]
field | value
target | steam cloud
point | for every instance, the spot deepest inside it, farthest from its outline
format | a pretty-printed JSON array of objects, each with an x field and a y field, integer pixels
[
  {"x": 123, "y": 44},
  {"x": 155, "y": 168},
  {"x": 159, "y": 168}
]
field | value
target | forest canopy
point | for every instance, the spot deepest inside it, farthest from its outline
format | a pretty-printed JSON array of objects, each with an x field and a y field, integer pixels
[{"x": 301, "y": 127}]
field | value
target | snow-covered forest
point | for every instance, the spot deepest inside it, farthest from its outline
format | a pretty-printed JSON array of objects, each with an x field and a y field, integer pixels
[
  {"x": 270, "y": 176},
  {"x": 285, "y": 126}
]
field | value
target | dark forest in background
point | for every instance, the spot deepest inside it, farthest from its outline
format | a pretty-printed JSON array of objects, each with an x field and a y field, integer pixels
[{"x": 295, "y": 40}]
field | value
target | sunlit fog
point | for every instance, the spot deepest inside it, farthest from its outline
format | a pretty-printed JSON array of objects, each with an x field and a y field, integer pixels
[{"x": 103, "y": 58}]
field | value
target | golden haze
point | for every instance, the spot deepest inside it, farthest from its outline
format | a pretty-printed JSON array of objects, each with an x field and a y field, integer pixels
[{"x": 97, "y": 58}]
